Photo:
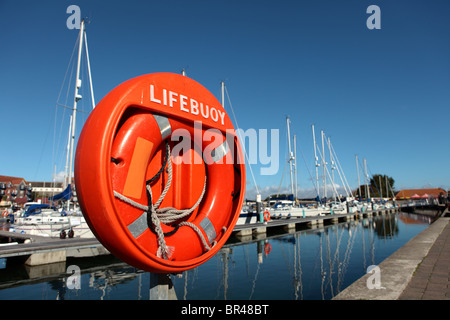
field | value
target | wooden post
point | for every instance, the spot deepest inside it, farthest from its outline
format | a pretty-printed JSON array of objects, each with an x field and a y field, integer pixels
[{"x": 161, "y": 287}]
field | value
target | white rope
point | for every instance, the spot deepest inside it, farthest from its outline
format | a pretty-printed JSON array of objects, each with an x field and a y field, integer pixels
[
  {"x": 130, "y": 202},
  {"x": 199, "y": 232},
  {"x": 167, "y": 215},
  {"x": 163, "y": 249}
]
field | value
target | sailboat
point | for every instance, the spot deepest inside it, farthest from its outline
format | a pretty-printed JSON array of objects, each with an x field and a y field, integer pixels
[
  {"x": 333, "y": 204},
  {"x": 248, "y": 212},
  {"x": 288, "y": 208},
  {"x": 40, "y": 219}
]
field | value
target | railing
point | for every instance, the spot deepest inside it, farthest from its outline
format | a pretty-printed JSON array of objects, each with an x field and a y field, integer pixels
[{"x": 416, "y": 203}]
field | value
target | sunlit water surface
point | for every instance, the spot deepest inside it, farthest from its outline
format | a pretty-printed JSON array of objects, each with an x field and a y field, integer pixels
[{"x": 304, "y": 265}]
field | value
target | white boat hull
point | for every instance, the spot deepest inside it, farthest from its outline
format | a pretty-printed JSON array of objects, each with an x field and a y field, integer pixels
[
  {"x": 295, "y": 212},
  {"x": 52, "y": 226}
]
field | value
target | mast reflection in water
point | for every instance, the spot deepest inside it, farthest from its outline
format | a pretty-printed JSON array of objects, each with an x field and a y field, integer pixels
[{"x": 307, "y": 264}]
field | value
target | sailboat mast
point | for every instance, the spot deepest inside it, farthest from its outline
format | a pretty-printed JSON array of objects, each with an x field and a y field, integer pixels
[
  {"x": 295, "y": 165},
  {"x": 367, "y": 179},
  {"x": 316, "y": 162},
  {"x": 89, "y": 71},
  {"x": 332, "y": 165},
  {"x": 386, "y": 184},
  {"x": 357, "y": 171},
  {"x": 222, "y": 87},
  {"x": 76, "y": 98},
  {"x": 381, "y": 189},
  {"x": 290, "y": 154},
  {"x": 68, "y": 152},
  {"x": 324, "y": 167}
]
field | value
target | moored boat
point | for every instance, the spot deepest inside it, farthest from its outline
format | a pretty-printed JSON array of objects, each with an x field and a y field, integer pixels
[{"x": 43, "y": 220}]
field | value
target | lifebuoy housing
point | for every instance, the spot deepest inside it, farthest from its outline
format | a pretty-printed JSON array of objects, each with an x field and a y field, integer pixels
[
  {"x": 266, "y": 215},
  {"x": 267, "y": 248},
  {"x": 159, "y": 173}
]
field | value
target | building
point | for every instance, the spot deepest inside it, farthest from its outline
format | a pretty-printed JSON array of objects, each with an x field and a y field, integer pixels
[
  {"x": 17, "y": 191},
  {"x": 14, "y": 190},
  {"x": 43, "y": 190},
  {"x": 421, "y": 193}
]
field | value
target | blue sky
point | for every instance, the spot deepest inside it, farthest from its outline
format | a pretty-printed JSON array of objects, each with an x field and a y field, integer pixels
[{"x": 381, "y": 94}]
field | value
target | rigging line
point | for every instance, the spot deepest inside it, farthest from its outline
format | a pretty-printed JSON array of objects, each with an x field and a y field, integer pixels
[
  {"x": 332, "y": 163},
  {"x": 254, "y": 281},
  {"x": 67, "y": 69},
  {"x": 70, "y": 108},
  {"x": 284, "y": 171},
  {"x": 321, "y": 269},
  {"x": 336, "y": 260},
  {"x": 288, "y": 158},
  {"x": 334, "y": 156},
  {"x": 282, "y": 177},
  {"x": 366, "y": 176},
  {"x": 307, "y": 168},
  {"x": 327, "y": 172},
  {"x": 41, "y": 155},
  {"x": 376, "y": 184},
  {"x": 348, "y": 251},
  {"x": 369, "y": 174},
  {"x": 299, "y": 281},
  {"x": 69, "y": 85},
  {"x": 58, "y": 155},
  {"x": 240, "y": 137},
  {"x": 361, "y": 170},
  {"x": 89, "y": 71},
  {"x": 84, "y": 89},
  {"x": 330, "y": 265},
  {"x": 70, "y": 63},
  {"x": 286, "y": 259},
  {"x": 346, "y": 184},
  {"x": 390, "y": 188}
]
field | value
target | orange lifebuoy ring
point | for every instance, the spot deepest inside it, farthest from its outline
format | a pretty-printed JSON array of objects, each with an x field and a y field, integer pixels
[
  {"x": 266, "y": 215},
  {"x": 127, "y": 182},
  {"x": 5, "y": 213},
  {"x": 267, "y": 248}
]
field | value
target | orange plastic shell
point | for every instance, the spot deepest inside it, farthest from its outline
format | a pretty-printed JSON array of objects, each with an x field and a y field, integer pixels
[{"x": 123, "y": 126}]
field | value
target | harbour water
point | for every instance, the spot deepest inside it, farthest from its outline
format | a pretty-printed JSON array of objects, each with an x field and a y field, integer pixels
[{"x": 309, "y": 264}]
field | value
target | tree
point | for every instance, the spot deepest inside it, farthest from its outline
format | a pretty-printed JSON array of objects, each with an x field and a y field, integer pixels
[{"x": 380, "y": 185}]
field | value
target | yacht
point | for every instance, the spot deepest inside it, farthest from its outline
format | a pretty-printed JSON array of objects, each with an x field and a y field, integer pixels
[{"x": 46, "y": 221}]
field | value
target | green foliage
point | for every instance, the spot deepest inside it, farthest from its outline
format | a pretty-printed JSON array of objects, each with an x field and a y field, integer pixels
[{"x": 378, "y": 187}]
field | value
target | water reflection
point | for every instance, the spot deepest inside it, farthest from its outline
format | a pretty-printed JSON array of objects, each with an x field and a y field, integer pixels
[{"x": 305, "y": 264}]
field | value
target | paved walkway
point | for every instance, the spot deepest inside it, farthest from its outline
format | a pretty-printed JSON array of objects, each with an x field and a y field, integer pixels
[{"x": 431, "y": 280}]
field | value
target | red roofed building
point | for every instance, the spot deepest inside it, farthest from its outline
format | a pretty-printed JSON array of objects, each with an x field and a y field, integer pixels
[
  {"x": 421, "y": 193},
  {"x": 13, "y": 190}
]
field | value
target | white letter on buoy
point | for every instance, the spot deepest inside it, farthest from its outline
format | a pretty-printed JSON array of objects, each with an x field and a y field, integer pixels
[
  {"x": 183, "y": 103},
  {"x": 194, "y": 107},
  {"x": 152, "y": 95},
  {"x": 172, "y": 98}
]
